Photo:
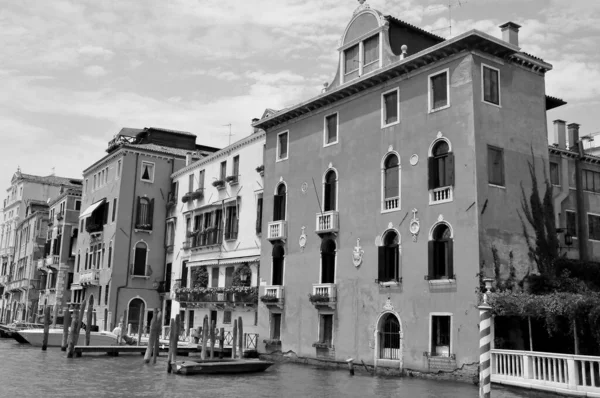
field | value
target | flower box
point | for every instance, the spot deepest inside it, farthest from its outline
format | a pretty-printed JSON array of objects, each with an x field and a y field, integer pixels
[
  {"x": 269, "y": 299},
  {"x": 321, "y": 345},
  {"x": 232, "y": 180},
  {"x": 319, "y": 298},
  {"x": 185, "y": 198},
  {"x": 197, "y": 194},
  {"x": 218, "y": 183},
  {"x": 260, "y": 169},
  {"x": 272, "y": 341}
]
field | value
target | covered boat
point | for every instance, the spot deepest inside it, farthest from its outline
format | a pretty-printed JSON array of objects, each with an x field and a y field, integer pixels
[
  {"x": 35, "y": 337},
  {"x": 221, "y": 366}
]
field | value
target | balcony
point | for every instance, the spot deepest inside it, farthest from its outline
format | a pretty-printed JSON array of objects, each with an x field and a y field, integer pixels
[
  {"x": 96, "y": 237},
  {"x": 93, "y": 228},
  {"x": 59, "y": 217},
  {"x": 441, "y": 195},
  {"x": 208, "y": 237},
  {"x": 324, "y": 295},
  {"x": 41, "y": 263},
  {"x": 216, "y": 296},
  {"x": 89, "y": 277},
  {"x": 273, "y": 297},
  {"x": 327, "y": 222},
  {"x": 171, "y": 200},
  {"x": 391, "y": 203},
  {"x": 52, "y": 260},
  {"x": 277, "y": 230}
]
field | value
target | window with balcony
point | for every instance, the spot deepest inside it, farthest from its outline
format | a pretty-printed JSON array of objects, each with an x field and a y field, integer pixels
[
  {"x": 235, "y": 172},
  {"x": 390, "y": 108},
  {"x": 440, "y": 335},
  {"x": 391, "y": 182},
  {"x": 490, "y": 84},
  {"x": 326, "y": 329},
  {"x": 223, "y": 171},
  {"x": 330, "y": 191},
  {"x": 147, "y": 172},
  {"x": 184, "y": 273},
  {"x": 440, "y": 253},
  {"x": 275, "y": 331},
  {"x": 139, "y": 262},
  {"x": 441, "y": 173},
  {"x": 145, "y": 210},
  {"x": 73, "y": 243},
  {"x": 191, "y": 183},
  {"x": 259, "y": 209},
  {"x": 389, "y": 258},
  {"x": 231, "y": 222},
  {"x": 278, "y": 263},
  {"x": 282, "y": 146},
  {"x": 279, "y": 206},
  {"x": 439, "y": 91},
  {"x": 201, "y": 179},
  {"x": 328, "y": 252},
  {"x": 330, "y": 130},
  {"x": 495, "y": 166},
  {"x": 214, "y": 277},
  {"x": 97, "y": 218}
]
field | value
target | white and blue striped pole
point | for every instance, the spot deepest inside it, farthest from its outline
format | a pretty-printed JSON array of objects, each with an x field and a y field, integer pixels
[{"x": 485, "y": 344}]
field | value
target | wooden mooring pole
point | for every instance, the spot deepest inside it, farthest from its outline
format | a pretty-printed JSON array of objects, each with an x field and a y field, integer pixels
[
  {"x": 170, "y": 354},
  {"x": 221, "y": 342},
  {"x": 141, "y": 326},
  {"x": 234, "y": 342},
  {"x": 156, "y": 336},
  {"x": 241, "y": 336},
  {"x": 54, "y": 315},
  {"x": 78, "y": 326},
  {"x": 66, "y": 322},
  {"x": 46, "y": 328},
  {"x": 71, "y": 343},
  {"x": 88, "y": 327},
  {"x": 150, "y": 340},
  {"x": 212, "y": 339},
  {"x": 204, "y": 337}
]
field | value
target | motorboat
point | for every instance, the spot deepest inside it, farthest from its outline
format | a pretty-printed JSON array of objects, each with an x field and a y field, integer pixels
[
  {"x": 221, "y": 366},
  {"x": 35, "y": 337},
  {"x": 9, "y": 331}
]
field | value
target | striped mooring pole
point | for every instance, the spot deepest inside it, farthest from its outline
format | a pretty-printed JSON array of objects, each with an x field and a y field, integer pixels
[{"x": 485, "y": 339}]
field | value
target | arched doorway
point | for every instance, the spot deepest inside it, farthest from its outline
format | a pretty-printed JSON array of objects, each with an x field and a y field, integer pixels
[
  {"x": 389, "y": 338},
  {"x": 136, "y": 306}
]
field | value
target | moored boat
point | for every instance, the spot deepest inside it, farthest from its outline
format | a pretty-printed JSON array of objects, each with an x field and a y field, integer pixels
[
  {"x": 35, "y": 337},
  {"x": 8, "y": 331},
  {"x": 221, "y": 366}
]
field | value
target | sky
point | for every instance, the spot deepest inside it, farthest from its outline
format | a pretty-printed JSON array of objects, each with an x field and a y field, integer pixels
[{"x": 73, "y": 73}]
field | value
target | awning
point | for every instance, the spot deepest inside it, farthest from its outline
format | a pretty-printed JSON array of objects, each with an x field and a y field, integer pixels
[
  {"x": 75, "y": 286},
  {"x": 224, "y": 261},
  {"x": 91, "y": 209}
]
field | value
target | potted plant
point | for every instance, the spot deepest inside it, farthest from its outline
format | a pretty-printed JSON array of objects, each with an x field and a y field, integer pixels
[
  {"x": 218, "y": 183},
  {"x": 261, "y": 169},
  {"x": 231, "y": 179},
  {"x": 318, "y": 298},
  {"x": 197, "y": 194},
  {"x": 185, "y": 198},
  {"x": 269, "y": 299}
]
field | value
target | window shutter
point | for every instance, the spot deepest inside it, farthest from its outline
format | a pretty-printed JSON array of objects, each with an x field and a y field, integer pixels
[
  {"x": 381, "y": 263},
  {"x": 431, "y": 259},
  {"x": 450, "y": 169},
  {"x": 276, "y": 207},
  {"x": 259, "y": 215},
  {"x": 106, "y": 210},
  {"x": 235, "y": 223},
  {"x": 431, "y": 172},
  {"x": 139, "y": 267},
  {"x": 137, "y": 216},
  {"x": 151, "y": 212},
  {"x": 450, "y": 259}
]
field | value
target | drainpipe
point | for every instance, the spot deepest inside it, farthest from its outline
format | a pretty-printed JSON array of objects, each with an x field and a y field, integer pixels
[
  {"x": 582, "y": 231},
  {"x": 116, "y": 314},
  {"x": 559, "y": 198}
]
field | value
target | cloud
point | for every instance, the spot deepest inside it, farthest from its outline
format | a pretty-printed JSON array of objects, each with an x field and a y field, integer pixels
[
  {"x": 96, "y": 51},
  {"x": 94, "y": 71}
]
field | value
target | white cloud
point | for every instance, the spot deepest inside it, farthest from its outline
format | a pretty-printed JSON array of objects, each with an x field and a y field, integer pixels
[
  {"x": 94, "y": 71},
  {"x": 96, "y": 51}
]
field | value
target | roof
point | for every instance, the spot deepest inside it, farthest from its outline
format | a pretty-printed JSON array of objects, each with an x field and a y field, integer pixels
[
  {"x": 553, "y": 102},
  {"x": 49, "y": 180},
  {"x": 472, "y": 40},
  {"x": 186, "y": 133},
  {"x": 573, "y": 154},
  {"x": 404, "y": 24},
  {"x": 159, "y": 148},
  {"x": 130, "y": 131}
]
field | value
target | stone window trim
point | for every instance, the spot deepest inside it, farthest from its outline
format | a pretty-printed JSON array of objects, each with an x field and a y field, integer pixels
[
  {"x": 280, "y": 156},
  {"x": 430, "y": 98},
  {"x": 326, "y": 129},
  {"x": 499, "y": 104},
  {"x": 451, "y": 345},
  {"x": 151, "y": 171},
  {"x": 383, "y": 107}
]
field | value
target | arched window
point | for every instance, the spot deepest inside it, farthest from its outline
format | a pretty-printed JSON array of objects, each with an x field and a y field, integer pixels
[
  {"x": 389, "y": 338},
  {"x": 279, "y": 203},
  {"x": 329, "y": 194},
  {"x": 145, "y": 210},
  {"x": 389, "y": 258},
  {"x": 136, "y": 307},
  {"x": 278, "y": 258},
  {"x": 328, "y": 261},
  {"x": 139, "y": 262},
  {"x": 391, "y": 182},
  {"x": 440, "y": 253},
  {"x": 441, "y": 166}
]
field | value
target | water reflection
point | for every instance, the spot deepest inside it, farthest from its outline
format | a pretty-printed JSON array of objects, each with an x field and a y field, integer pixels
[{"x": 28, "y": 372}]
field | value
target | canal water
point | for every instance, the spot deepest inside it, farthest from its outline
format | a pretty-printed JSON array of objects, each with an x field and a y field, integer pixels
[{"x": 28, "y": 372}]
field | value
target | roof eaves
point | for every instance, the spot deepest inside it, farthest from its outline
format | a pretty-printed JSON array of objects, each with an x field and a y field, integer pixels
[{"x": 413, "y": 27}]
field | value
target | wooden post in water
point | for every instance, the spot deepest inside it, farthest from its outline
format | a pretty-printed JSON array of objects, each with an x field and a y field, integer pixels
[
  {"x": 66, "y": 322},
  {"x": 221, "y": 342},
  {"x": 171, "y": 345},
  {"x": 46, "y": 328},
  {"x": 71, "y": 344},
  {"x": 79, "y": 322},
  {"x": 141, "y": 325},
  {"x": 241, "y": 336},
  {"x": 88, "y": 327},
  {"x": 55, "y": 316},
  {"x": 176, "y": 337},
  {"x": 350, "y": 366},
  {"x": 234, "y": 340},
  {"x": 212, "y": 339},
  {"x": 151, "y": 340},
  {"x": 156, "y": 342},
  {"x": 204, "y": 337}
]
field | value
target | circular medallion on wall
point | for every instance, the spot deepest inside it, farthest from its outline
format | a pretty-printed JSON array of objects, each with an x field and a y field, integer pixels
[
  {"x": 414, "y": 159},
  {"x": 304, "y": 187}
]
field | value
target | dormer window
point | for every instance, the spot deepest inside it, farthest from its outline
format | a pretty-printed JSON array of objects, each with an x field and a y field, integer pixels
[
  {"x": 362, "y": 57},
  {"x": 351, "y": 59}
]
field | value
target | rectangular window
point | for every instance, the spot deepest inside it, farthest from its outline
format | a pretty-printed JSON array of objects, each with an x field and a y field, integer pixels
[
  {"x": 229, "y": 276},
  {"x": 147, "y": 172},
  {"x": 554, "y": 173},
  {"x": 201, "y": 180},
  {"x": 571, "y": 219},
  {"x": 496, "y": 166},
  {"x": 438, "y": 91},
  {"x": 259, "y": 209},
  {"x": 282, "y": 146},
  {"x": 118, "y": 173},
  {"x": 351, "y": 60},
  {"x": 231, "y": 222},
  {"x": 236, "y": 167},
  {"x": 223, "y": 170},
  {"x": 215, "y": 277},
  {"x": 78, "y": 205},
  {"x": 594, "y": 226},
  {"x": 191, "y": 183},
  {"x": 390, "y": 108},
  {"x": 331, "y": 129},
  {"x": 591, "y": 181},
  {"x": 491, "y": 84},
  {"x": 371, "y": 49},
  {"x": 326, "y": 329},
  {"x": 114, "y": 212},
  {"x": 227, "y": 317},
  {"x": 440, "y": 335},
  {"x": 388, "y": 262},
  {"x": 275, "y": 326}
]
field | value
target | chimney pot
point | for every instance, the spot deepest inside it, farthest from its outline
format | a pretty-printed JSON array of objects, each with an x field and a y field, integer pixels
[
  {"x": 254, "y": 129},
  {"x": 573, "y": 129},
  {"x": 188, "y": 159},
  {"x": 560, "y": 134},
  {"x": 510, "y": 33}
]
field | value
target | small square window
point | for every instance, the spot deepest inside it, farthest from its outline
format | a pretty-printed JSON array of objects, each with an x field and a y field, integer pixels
[
  {"x": 282, "y": 146},
  {"x": 147, "y": 172},
  {"x": 78, "y": 205},
  {"x": 554, "y": 173},
  {"x": 491, "y": 84},
  {"x": 390, "y": 108},
  {"x": 226, "y": 317},
  {"x": 439, "y": 97},
  {"x": 496, "y": 166},
  {"x": 331, "y": 129}
]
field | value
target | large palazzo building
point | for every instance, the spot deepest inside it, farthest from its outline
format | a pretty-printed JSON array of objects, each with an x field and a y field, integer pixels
[{"x": 386, "y": 194}]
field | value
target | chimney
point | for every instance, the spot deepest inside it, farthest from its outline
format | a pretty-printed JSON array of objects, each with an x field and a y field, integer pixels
[
  {"x": 254, "y": 129},
  {"x": 573, "y": 129},
  {"x": 188, "y": 158},
  {"x": 510, "y": 33},
  {"x": 560, "y": 134}
]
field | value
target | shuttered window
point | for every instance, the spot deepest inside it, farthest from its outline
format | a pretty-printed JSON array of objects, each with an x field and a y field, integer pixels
[
  {"x": 331, "y": 129},
  {"x": 390, "y": 107},
  {"x": 495, "y": 166},
  {"x": 491, "y": 85},
  {"x": 145, "y": 210},
  {"x": 231, "y": 223},
  {"x": 351, "y": 59},
  {"x": 371, "y": 49},
  {"x": 139, "y": 264},
  {"x": 441, "y": 166},
  {"x": 438, "y": 90},
  {"x": 441, "y": 262}
]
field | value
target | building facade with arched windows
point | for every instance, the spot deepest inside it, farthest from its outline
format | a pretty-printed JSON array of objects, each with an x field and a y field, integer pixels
[{"x": 380, "y": 203}]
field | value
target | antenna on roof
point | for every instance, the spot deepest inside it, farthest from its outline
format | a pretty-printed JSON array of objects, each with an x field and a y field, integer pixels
[
  {"x": 230, "y": 133},
  {"x": 458, "y": 3}
]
